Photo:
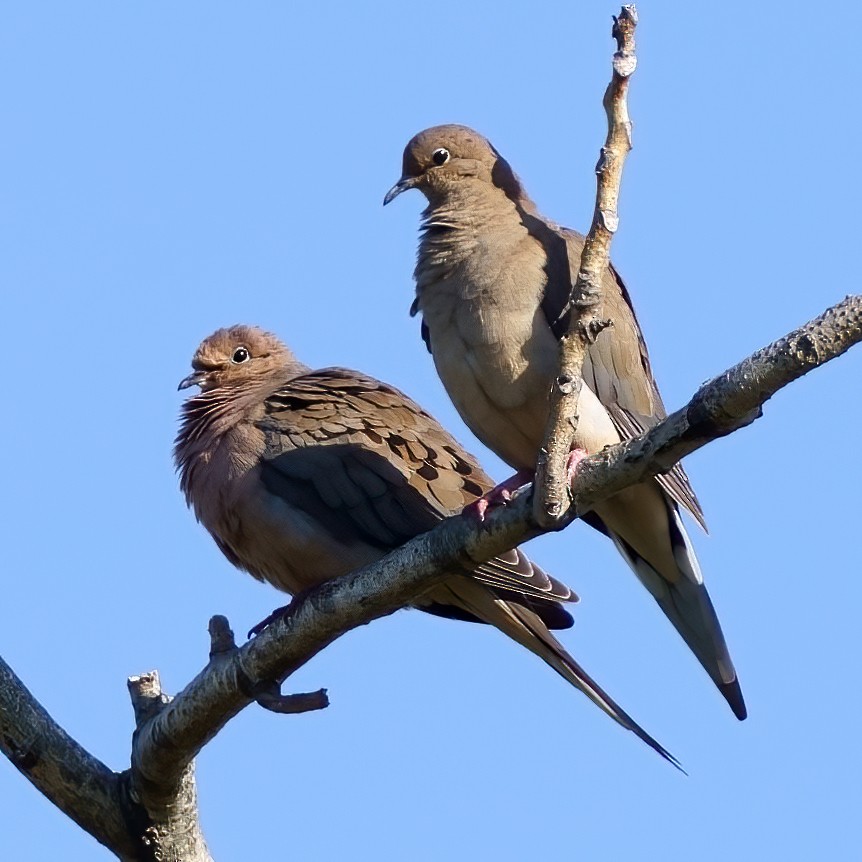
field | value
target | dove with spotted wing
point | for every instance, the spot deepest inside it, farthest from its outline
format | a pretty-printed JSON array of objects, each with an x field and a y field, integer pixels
[{"x": 303, "y": 475}]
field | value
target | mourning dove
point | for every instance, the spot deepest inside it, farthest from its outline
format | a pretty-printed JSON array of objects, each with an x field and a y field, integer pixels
[
  {"x": 301, "y": 476},
  {"x": 494, "y": 280}
]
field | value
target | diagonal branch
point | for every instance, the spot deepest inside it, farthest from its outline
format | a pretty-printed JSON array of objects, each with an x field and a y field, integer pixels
[
  {"x": 152, "y": 807},
  {"x": 551, "y": 497},
  {"x": 721, "y": 406},
  {"x": 167, "y": 743},
  {"x": 76, "y": 782}
]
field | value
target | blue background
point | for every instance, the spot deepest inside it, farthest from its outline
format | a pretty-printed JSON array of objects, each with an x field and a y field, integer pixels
[{"x": 166, "y": 169}]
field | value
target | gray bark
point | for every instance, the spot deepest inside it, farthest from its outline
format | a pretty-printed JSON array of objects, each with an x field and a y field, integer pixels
[{"x": 150, "y": 812}]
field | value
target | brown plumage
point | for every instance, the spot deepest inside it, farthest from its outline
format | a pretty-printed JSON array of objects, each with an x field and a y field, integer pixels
[
  {"x": 301, "y": 476},
  {"x": 493, "y": 284}
]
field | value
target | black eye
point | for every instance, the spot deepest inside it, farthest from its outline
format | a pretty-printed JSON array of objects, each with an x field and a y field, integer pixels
[
  {"x": 440, "y": 156},
  {"x": 241, "y": 354}
]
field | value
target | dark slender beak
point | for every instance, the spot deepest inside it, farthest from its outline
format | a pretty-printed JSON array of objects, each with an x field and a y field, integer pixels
[
  {"x": 196, "y": 378},
  {"x": 403, "y": 185}
]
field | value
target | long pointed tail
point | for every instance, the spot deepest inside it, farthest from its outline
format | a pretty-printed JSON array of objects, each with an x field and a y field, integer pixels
[
  {"x": 525, "y": 627},
  {"x": 683, "y": 597}
]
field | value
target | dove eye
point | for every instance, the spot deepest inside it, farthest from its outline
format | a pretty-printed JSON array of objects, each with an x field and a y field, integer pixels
[
  {"x": 240, "y": 355},
  {"x": 440, "y": 156}
]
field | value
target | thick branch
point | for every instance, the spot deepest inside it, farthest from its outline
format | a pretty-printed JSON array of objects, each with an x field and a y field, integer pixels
[
  {"x": 723, "y": 405},
  {"x": 551, "y": 497},
  {"x": 76, "y": 782},
  {"x": 166, "y": 744},
  {"x": 172, "y": 828},
  {"x": 135, "y": 824},
  {"x": 152, "y": 810}
]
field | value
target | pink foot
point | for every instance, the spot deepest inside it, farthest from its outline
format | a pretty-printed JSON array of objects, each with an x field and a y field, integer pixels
[
  {"x": 498, "y": 496},
  {"x": 575, "y": 458}
]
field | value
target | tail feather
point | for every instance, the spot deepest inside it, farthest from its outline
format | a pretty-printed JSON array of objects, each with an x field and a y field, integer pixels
[
  {"x": 525, "y": 627},
  {"x": 686, "y": 603}
]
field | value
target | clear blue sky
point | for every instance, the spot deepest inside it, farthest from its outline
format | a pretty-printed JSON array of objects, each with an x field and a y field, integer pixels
[{"x": 168, "y": 169}]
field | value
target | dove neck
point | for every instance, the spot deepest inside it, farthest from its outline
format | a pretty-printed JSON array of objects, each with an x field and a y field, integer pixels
[
  {"x": 468, "y": 204},
  {"x": 208, "y": 417},
  {"x": 454, "y": 224}
]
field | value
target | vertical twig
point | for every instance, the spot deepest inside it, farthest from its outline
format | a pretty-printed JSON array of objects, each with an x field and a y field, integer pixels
[
  {"x": 551, "y": 498},
  {"x": 173, "y": 829}
]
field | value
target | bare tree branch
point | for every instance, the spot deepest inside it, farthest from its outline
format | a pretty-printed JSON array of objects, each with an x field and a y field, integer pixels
[
  {"x": 79, "y": 785},
  {"x": 150, "y": 812},
  {"x": 166, "y": 744},
  {"x": 551, "y": 498},
  {"x": 173, "y": 829},
  {"x": 725, "y": 404},
  {"x": 266, "y": 694},
  {"x": 153, "y": 807}
]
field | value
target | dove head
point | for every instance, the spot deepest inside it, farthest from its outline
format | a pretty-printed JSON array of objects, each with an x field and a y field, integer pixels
[
  {"x": 440, "y": 160},
  {"x": 238, "y": 356}
]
